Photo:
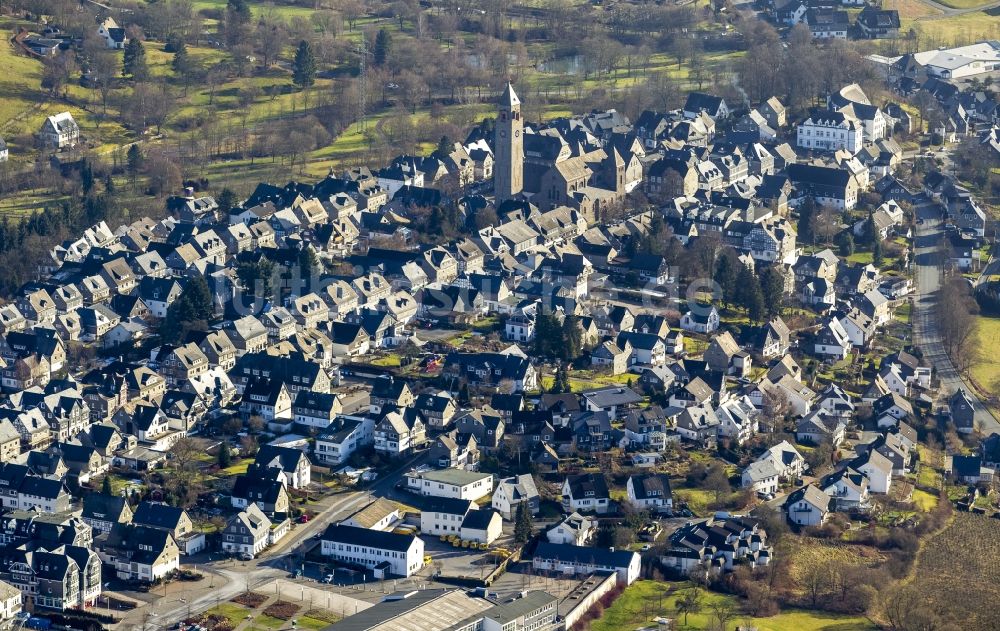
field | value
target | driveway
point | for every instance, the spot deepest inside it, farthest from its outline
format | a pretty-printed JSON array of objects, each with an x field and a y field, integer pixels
[{"x": 925, "y": 329}]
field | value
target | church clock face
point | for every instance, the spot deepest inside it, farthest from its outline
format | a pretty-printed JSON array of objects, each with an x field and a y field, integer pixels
[{"x": 517, "y": 134}]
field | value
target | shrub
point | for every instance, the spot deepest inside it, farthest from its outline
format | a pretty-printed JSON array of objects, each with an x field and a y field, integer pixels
[
  {"x": 282, "y": 610},
  {"x": 250, "y": 599}
]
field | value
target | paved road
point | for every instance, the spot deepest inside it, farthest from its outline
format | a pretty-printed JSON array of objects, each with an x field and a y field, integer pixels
[
  {"x": 946, "y": 10},
  {"x": 925, "y": 332}
]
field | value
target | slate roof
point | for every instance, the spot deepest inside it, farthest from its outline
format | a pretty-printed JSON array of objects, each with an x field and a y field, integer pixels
[{"x": 369, "y": 538}]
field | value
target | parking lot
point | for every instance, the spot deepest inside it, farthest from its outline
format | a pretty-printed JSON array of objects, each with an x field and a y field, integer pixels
[{"x": 448, "y": 560}]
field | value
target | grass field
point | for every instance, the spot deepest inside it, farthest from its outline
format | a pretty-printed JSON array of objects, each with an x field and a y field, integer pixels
[
  {"x": 957, "y": 29},
  {"x": 911, "y": 9},
  {"x": 807, "y": 552},
  {"x": 697, "y": 499},
  {"x": 230, "y": 611},
  {"x": 986, "y": 367},
  {"x": 238, "y": 467},
  {"x": 956, "y": 569},
  {"x": 645, "y": 600}
]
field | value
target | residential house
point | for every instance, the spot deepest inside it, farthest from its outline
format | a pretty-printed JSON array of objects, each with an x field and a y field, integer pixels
[
  {"x": 807, "y": 506},
  {"x": 60, "y": 131},
  {"x": 586, "y": 492},
  {"x": 649, "y": 492},
  {"x": 511, "y": 492},
  {"x": 399, "y": 432},
  {"x": 575, "y": 529},
  {"x": 704, "y": 319},
  {"x": 247, "y": 533},
  {"x": 292, "y": 462}
]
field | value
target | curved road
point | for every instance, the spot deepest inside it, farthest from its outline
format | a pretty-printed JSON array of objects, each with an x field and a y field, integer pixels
[
  {"x": 925, "y": 333},
  {"x": 947, "y": 11}
]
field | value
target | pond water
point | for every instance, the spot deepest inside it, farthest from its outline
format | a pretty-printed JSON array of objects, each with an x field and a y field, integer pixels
[{"x": 570, "y": 64}]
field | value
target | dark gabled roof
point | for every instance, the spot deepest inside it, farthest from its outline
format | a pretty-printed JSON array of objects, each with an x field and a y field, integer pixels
[
  {"x": 645, "y": 341},
  {"x": 651, "y": 485},
  {"x": 448, "y": 505},
  {"x": 41, "y": 487},
  {"x": 584, "y": 555},
  {"x": 161, "y": 289},
  {"x": 433, "y": 401},
  {"x": 966, "y": 466},
  {"x": 812, "y": 494},
  {"x": 157, "y": 515},
  {"x": 504, "y": 402},
  {"x": 479, "y": 519},
  {"x": 661, "y": 166},
  {"x": 875, "y": 18},
  {"x": 510, "y": 366},
  {"x": 369, "y": 538},
  {"x": 315, "y": 401},
  {"x": 253, "y": 488},
  {"x": 580, "y": 484},
  {"x": 810, "y": 174},
  {"x": 287, "y": 458},
  {"x": 699, "y": 101},
  {"x": 345, "y": 333},
  {"x": 388, "y": 387},
  {"x": 105, "y": 507}
]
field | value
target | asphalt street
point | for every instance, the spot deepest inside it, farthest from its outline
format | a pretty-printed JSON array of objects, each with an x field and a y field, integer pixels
[{"x": 925, "y": 327}]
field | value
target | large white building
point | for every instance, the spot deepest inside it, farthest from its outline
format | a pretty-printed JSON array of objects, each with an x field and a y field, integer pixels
[
  {"x": 825, "y": 130},
  {"x": 385, "y": 552},
  {"x": 964, "y": 61},
  {"x": 451, "y": 483},
  {"x": 569, "y": 559}
]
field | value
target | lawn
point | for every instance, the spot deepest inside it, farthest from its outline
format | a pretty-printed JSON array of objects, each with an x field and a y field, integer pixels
[
  {"x": 392, "y": 360},
  {"x": 230, "y": 611},
  {"x": 308, "y": 622},
  {"x": 646, "y": 600},
  {"x": 267, "y": 622},
  {"x": 929, "y": 477},
  {"x": 924, "y": 500},
  {"x": 863, "y": 257},
  {"x": 19, "y": 82},
  {"x": 903, "y": 312},
  {"x": 986, "y": 367},
  {"x": 238, "y": 467},
  {"x": 697, "y": 499},
  {"x": 22, "y": 204}
]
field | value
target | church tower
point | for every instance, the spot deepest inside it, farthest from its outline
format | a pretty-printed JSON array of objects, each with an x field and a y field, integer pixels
[{"x": 508, "y": 164}]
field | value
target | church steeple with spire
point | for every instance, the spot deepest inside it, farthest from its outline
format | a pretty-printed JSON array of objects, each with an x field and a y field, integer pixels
[{"x": 508, "y": 147}]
